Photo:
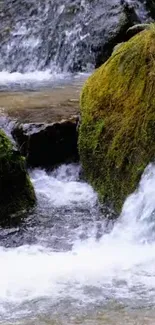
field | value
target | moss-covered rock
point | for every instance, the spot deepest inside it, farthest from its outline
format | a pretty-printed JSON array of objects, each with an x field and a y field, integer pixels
[
  {"x": 16, "y": 190},
  {"x": 117, "y": 132}
]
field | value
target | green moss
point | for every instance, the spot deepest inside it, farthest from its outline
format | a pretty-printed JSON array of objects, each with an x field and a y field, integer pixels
[
  {"x": 16, "y": 190},
  {"x": 117, "y": 137}
]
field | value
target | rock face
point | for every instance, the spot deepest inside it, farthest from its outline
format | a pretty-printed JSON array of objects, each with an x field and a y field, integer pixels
[
  {"x": 69, "y": 34},
  {"x": 46, "y": 145},
  {"x": 16, "y": 191},
  {"x": 117, "y": 138}
]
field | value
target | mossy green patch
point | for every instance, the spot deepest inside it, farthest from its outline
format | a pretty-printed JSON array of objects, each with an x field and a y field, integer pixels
[
  {"x": 16, "y": 190},
  {"x": 117, "y": 132}
]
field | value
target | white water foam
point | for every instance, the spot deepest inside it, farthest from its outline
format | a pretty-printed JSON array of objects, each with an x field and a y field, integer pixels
[
  {"x": 61, "y": 187},
  {"x": 120, "y": 265},
  {"x": 33, "y": 80}
]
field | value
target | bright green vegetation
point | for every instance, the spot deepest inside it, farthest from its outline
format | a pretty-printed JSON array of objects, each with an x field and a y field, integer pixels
[
  {"x": 16, "y": 191},
  {"x": 117, "y": 133}
]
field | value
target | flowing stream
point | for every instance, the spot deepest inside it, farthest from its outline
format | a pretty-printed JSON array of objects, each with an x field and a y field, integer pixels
[{"x": 66, "y": 265}]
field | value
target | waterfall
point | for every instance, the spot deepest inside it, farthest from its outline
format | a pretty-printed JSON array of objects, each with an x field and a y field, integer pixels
[{"x": 58, "y": 35}]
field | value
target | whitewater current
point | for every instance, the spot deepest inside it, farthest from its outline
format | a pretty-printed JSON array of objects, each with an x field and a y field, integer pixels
[{"x": 66, "y": 260}]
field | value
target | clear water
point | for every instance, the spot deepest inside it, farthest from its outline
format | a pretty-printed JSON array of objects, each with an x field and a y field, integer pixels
[{"x": 66, "y": 265}]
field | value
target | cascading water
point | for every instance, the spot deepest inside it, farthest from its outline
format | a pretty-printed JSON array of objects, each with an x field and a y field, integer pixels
[
  {"x": 45, "y": 38},
  {"x": 71, "y": 262}
]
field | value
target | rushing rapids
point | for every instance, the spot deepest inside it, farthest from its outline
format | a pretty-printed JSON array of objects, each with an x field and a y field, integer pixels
[{"x": 65, "y": 260}]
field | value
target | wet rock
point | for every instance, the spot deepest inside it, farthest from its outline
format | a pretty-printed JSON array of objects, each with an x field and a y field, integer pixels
[
  {"x": 47, "y": 145},
  {"x": 117, "y": 34}
]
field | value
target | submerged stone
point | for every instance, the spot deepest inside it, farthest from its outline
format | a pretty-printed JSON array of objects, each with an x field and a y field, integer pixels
[
  {"x": 117, "y": 138},
  {"x": 16, "y": 190}
]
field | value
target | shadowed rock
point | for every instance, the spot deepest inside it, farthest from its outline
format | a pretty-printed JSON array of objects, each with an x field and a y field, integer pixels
[{"x": 47, "y": 145}]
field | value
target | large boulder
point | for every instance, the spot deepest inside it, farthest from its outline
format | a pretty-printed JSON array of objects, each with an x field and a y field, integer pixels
[
  {"x": 16, "y": 191},
  {"x": 117, "y": 132}
]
